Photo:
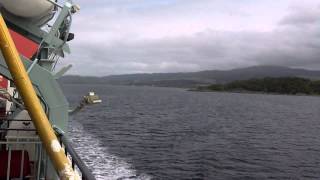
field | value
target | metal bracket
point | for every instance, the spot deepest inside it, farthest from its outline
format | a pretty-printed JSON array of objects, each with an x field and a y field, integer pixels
[
  {"x": 62, "y": 71},
  {"x": 57, "y": 24}
]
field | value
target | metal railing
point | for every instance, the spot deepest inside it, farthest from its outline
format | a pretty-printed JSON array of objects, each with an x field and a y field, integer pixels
[
  {"x": 77, "y": 163},
  {"x": 20, "y": 151},
  {"x": 22, "y": 143},
  {"x": 18, "y": 146}
]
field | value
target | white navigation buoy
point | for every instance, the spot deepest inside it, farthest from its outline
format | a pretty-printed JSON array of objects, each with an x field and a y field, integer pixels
[{"x": 28, "y": 8}]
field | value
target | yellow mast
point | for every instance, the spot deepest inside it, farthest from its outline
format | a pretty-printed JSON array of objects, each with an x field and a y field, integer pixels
[{"x": 33, "y": 105}]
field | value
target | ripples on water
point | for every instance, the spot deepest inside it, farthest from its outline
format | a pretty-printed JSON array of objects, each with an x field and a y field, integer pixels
[{"x": 163, "y": 133}]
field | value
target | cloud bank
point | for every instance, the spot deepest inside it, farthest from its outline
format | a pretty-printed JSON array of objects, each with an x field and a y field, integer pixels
[{"x": 144, "y": 36}]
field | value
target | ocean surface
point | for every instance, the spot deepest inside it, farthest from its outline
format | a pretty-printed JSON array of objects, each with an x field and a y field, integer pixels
[{"x": 167, "y": 133}]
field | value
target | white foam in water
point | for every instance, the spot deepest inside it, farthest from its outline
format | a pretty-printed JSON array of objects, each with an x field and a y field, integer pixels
[{"x": 103, "y": 164}]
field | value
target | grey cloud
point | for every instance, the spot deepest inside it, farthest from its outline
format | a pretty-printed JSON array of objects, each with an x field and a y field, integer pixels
[
  {"x": 290, "y": 44},
  {"x": 302, "y": 16}
]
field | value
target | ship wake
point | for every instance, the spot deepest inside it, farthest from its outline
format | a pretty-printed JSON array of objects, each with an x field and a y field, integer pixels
[{"x": 103, "y": 164}]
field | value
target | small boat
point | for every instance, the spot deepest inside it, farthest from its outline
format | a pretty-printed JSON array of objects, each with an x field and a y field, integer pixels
[{"x": 34, "y": 112}]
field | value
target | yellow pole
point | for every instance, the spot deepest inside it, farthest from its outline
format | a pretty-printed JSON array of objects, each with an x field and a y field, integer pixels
[{"x": 33, "y": 105}]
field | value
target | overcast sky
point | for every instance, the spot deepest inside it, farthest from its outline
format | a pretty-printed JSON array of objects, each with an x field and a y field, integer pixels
[{"x": 144, "y": 36}]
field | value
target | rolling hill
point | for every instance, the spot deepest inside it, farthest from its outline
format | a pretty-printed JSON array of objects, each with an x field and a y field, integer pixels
[{"x": 193, "y": 79}]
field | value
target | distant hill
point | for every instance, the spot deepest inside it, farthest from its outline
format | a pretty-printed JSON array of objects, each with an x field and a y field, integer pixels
[{"x": 193, "y": 79}]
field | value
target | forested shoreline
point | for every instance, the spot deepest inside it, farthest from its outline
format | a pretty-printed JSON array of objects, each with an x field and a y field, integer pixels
[{"x": 283, "y": 85}]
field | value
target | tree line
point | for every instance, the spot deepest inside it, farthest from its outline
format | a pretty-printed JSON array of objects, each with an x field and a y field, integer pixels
[{"x": 282, "y": 85}]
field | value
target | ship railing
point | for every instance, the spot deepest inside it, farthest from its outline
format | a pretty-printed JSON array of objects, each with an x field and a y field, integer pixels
[
  {"x": 10, "y": 144},
  {"x": 77, "y": 164},
  {"x": 18, "y": 161},
  {"x": 21, "y": 150}
]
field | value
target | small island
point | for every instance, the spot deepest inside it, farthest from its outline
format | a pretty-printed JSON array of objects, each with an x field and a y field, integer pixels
[{"x": 281, "y": 85}]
